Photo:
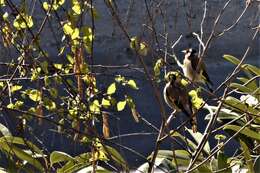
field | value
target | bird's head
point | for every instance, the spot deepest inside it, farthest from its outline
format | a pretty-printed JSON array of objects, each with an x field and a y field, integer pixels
[
  {"x": 189, "y": 52},
  {"x": 172, "y": 76}
]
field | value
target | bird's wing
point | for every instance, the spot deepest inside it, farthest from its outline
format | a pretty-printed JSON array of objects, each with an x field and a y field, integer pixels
[
  {"x": 179, "y": 99},
  {"x": 194, "y": 63},
  {"x": 205, "y": 74}
]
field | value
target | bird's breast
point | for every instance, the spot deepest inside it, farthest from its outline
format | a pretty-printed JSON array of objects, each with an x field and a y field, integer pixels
[{"x": 189, "y": 72}]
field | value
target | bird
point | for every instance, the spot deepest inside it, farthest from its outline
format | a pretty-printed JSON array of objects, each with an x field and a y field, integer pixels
[
  {"x": 176, "y": 97},
  {"x": 192, "y": 71}
]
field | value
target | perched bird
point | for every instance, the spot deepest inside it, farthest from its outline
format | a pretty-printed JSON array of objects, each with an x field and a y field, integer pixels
[
  {"x": 192, "y": 71},
  {"x": 176, "y": 96}
]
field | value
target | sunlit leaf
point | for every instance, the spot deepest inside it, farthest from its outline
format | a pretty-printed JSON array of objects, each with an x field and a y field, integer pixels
[
  {"x": 49, "y": 104},
  {"x": 111, "y": 89},
  {"x": 251, "y": 68},
  {"x": 76, "y": 8},
  {"x": 198, "y": 137},
  {"x": 246, "y": 131},
  {"x": 94, "y": 107},
  {"x": 57, "y": 66},
  {"x": 121, "y": 105},
  {"x": 34, "y": 95},
  {"x": 67, "y": 29},
  {"x": 106, "y": 103},
  {"x": 242, "y": 107},
  {"x": 132, "y": 84},
  {"x": 45, "y": 6},
  {"x": 248, "y": 158},
  {"x": 22, "y": 21},
  {"x": 197, "y": 101},
  {"x": 16, "y": 88},
  {"x": 4, "y": 130},
  {"x": 75, "y": 34},
  {"x": 7, "y": 144},
  {"x": 231, "y": 59},
  {"x": 58, "y": 156}
]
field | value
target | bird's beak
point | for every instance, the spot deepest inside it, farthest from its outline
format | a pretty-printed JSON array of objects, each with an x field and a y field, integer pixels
[{"x": 183, "y": 51}]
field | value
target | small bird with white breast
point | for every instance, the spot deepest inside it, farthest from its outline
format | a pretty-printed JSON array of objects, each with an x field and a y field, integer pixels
[
  {"x": 176, "y": 96},
  {"x": 192, "y": 71}
]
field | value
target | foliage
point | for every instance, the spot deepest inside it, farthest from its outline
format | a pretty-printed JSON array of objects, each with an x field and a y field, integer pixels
[{"x": 64, "y": 90}]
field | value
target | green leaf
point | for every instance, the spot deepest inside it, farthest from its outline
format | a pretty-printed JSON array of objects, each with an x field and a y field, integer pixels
[
  {"x": 98, "y": 169},
  {"x": 111, "y": 89},
  {"x": 4, "y": 130},
  {"x": 248, "y": 158},
  {"x": 132, "y": 84},
  {"x": 246, "y": 131},
  {"x": 116, "y": 156},
  {"x": 241, "y": 107},
  {"x": 49, "y": 104},
  {"x": 16, "y": 88},
  {"x": 2, "y": 84},
  {"x": 257, "y": 164},
  {"x": 7, "y": 144},
  {"x": 58, "y": 66},
  {"x": 198, "y": 137},
  {"x": 241, "y": 88},
  {"x": 225, "y": 114},
  {"x": 34, "y": 95},
  {"x": 58, "y": 156},
  {"x": 53, "y": 92},
  {"x": 222, "y": 162},
  {"x": 251, "y": 85},
  {"x": 231, "y": 59},
  {"x": 251, "y": 68},
  {"x": 121, "y": 105}
]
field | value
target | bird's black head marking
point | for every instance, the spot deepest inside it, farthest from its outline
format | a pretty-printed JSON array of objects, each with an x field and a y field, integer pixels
[{"x": 171, "y": 76}]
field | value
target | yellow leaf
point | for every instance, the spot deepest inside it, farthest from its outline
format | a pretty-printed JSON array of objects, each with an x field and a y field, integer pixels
[
  {"x": 76, "y": 8},
  {"x": 197, "y": 102},
  {"x": 105, "y": 102},
  {"x": 111, "y": 89},
  {"x": 34, "y": 95},
  {"x": 67, "y": 29},
  {"x": 2, "y": 2},
  {"x": 58, "y": 66},
  {"x": 75, "y": 34},
  {"x": 184, "y": 82},
  {"x": 95, "y": 107},
  {"x": 5, "y": 16},
  {"x": 16, "y": 88},
  {"x": 121, "y": 105},
  {"x": 132, "y": 84},
  {"x": 45, "y": 6}
]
